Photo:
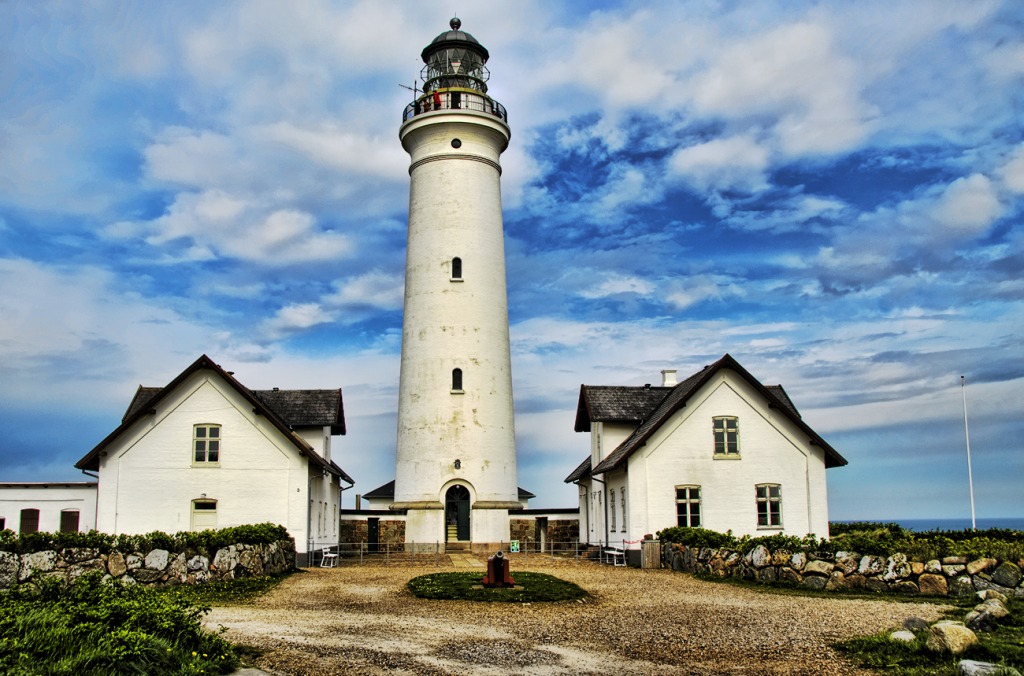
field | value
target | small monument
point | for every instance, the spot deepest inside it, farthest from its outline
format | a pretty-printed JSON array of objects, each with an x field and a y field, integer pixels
[{"x": 497, "y": 572}]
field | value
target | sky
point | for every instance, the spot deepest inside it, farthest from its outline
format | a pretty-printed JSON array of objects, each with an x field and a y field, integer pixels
[{"x": 832, "y": 193}]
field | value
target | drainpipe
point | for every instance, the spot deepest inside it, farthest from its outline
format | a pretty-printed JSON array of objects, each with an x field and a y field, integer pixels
[{"x": 96, "y": 507}]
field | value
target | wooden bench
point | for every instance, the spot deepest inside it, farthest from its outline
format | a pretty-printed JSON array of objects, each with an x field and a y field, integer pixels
[{"x": 614, "y": 556}]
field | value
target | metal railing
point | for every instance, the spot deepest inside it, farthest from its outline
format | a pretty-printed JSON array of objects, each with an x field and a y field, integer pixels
[{"x": 455, "y": 99}]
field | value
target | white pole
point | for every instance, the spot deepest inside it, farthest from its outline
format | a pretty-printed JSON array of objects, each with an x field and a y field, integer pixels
[{"x": 967, "y": 434}]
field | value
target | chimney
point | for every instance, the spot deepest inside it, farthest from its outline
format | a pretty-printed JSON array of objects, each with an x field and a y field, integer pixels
[{"x": 668, "y": 377}]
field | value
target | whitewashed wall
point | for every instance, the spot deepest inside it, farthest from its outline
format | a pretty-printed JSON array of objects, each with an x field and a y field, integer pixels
[
  {"x": 50, "y": 499},
  {"x": 148, "y": 480}
]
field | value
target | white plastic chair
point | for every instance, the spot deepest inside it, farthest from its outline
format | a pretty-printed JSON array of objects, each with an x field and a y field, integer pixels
[{"x": 328, "y": 558}]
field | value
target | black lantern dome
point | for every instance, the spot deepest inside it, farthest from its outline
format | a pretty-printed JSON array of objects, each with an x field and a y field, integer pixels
[{"x": 455, "y": 59}]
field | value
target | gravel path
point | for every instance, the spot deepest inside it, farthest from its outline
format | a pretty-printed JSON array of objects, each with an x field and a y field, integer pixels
[{"x": 361, "y": 620}]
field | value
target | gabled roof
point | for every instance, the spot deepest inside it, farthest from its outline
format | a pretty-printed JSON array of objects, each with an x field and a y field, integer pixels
[
  {"x": 387, "y": 492},
  {"x": 147, "y": 398},
  {"x": 676, "y": 399},
  {"x": 599, "y": 403},
  {"x": 298, "y": 408}
]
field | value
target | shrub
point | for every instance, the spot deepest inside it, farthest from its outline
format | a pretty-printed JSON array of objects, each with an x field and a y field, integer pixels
[
  {"x": 209, "y": 540},
  {"x": 530, "y": 588},
  {"x": 96, "y": 627},
  {"x": 697, "y": 537}
]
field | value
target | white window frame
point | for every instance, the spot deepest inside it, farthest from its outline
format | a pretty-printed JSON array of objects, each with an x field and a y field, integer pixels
[
  {"x": 687, "y": 502},
  {"x": 730, "y": 446},
  {"x": 768, "y": 518},
  {"x": 206, "y": 439}
]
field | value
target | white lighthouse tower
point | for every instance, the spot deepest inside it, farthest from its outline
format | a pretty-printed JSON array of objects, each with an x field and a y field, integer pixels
[{"x": 456, "y": 457}]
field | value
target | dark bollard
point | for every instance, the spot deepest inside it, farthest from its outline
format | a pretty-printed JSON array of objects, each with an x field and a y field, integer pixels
[{"x": 498, "y": 572}]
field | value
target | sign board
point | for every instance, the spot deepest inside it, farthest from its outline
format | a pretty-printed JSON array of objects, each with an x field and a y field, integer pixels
[{"x": 514, "y": 546}]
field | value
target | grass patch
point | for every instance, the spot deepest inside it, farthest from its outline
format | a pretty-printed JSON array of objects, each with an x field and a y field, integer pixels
[
  {"x": 238, "y": 592},
  {"x": 530, "y": 588},
  {"x": 1004, "y": 646}
]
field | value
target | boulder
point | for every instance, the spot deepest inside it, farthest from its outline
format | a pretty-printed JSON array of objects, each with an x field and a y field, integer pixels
[
  {"x": 177, "y": 569},
  {"x": 37, "y": 562},
  {"x": 871, "y": 565},
  {"x": 847, "y": 562},
  {"x": 814, "y": 582},
  {"x": 950, "y": 636},
  {"x": 133, "y": 561},
  {"x": 855, "y": 581},
  {"x": 836, "y": 581},
  {"x": 818, "y": 568},
  {"x": 993, "y": 607},
  {"x": 760, "y": 556},
  {"x": 780, "y": 557},
  {"x": 916, "y": 624},
  {"x": 932, "y": 584},
  {"x": 789, "y": 576},
  {"x": 980, "y": 565},
  {"x": 8, "y": 569},
  {"x": 974, "y": 668},
  {"x": 158, "y": 559},
  {"x": 903, "y": 635},
  {"x": 952, "y": 570},
  {"x": 147, "y": 575},
  {"x": 961, "y": 586},
  {"x": 905, "y": 587},
  {"x": 986, "y": 594},
  {"x": 876, "y": 584},
  {"x": 768, "y": 574},
  {"x": 954, "y": 560},
  {"x": 197, "y": 563},
  {"x": 979, "y": 621},
  {"x": 798, "y": 561},
  {"x": 916, "y": 567},
  {"x": 933, "y": 567},
  {"x": 116, "y": 565},
  {"x": 896, "y": 568},
  {"x": 1007, "y": 575},
  {"x": 982, "y": 583},
  {"x": 79, "y": 554}
]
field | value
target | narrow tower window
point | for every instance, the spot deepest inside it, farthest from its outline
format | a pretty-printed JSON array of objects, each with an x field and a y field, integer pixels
[
  {"x": 456, "y": 380},
  {"x": 457, "y": 269}
]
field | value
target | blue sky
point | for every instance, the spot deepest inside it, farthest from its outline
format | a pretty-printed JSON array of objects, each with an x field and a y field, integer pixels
[{"x": 831, "y": 192}]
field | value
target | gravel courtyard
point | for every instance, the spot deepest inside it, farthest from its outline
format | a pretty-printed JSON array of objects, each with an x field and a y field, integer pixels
[{"x": 359, "y": 619}]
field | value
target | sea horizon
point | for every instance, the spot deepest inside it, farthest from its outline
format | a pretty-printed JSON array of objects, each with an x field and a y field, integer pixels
[{"x": 947, "y": 523}]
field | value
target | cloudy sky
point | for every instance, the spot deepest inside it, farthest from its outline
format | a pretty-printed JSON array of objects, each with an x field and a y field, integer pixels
[{"x": 832, "y": 193}]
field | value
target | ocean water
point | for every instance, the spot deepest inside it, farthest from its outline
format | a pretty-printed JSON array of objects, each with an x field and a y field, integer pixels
[{"x": 925, "y": 525}]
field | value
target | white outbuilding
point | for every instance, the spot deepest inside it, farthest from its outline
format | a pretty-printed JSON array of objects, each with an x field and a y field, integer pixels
[
  {"x": 718, "y": 450},
  {"x": 205, "y": 452}
]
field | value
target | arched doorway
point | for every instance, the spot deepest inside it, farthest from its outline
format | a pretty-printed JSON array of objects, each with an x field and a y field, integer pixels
[{"x": 456, "y": 513}]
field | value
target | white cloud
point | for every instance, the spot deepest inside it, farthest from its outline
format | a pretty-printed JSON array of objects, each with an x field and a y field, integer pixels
[
  {"x": 375, "y": 289},
  {"x": 1012, "y": 173},
  {"x": 296, "y": 317},
  {"x": 613, "y": 284},
  {"x": 697, "y": 288},
  {"x": 733, "y": 163},
  {"x": 245, "y": 228},
  {"x": 967, "y": 206}
]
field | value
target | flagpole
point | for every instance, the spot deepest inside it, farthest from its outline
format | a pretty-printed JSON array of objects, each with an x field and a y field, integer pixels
[{"x": 967, "y": 435}]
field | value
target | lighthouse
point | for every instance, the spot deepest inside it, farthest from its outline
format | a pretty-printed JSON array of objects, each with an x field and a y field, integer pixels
[{"x": 455, "y": 474}]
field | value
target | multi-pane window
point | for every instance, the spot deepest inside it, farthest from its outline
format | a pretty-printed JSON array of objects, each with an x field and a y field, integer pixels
[
  {"x": 611, "y": 504},
  {"x": 206, "y": 443},
  {"x": 456, "y": 268},
  {"x": 688, "y": 506},
  {"x": 727, "y": 435},
  {"x": 456, "y": 380},
  {"x": 769, "y": 506},
  {"x": 622, "y": 494}
]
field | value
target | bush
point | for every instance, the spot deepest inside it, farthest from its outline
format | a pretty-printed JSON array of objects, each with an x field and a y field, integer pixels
[
  {"x": 530, "y": 588},
  {"x": 96, "y": 627},
  {"x": 697, "y": 537},
  {"x": 209, "y": 540}
]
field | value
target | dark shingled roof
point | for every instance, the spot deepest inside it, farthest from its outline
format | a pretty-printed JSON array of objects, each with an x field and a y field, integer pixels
[
  {"x": 326, "y": 409},
  {"x": 599, "y": 403},
  {"x": 387, "y": 491},
  {"x": 675, "y": 400},
  {"x": 298, "y": 408}
]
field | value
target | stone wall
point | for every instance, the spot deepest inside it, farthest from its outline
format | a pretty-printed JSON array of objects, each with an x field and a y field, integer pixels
[
  {"x": 158, "y": 567},
  {"x": 951, "y": 576},
  {"x": 390, "y": 531},
  {"x": 562, "y": 534}
]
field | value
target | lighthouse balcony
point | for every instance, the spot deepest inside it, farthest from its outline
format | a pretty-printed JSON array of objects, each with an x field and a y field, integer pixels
[{"x": 455, "y": 98}]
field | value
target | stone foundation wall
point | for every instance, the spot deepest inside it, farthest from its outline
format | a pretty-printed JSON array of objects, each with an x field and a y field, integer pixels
[
  {"x": 950, "y": 576},
  {"x": 390, "y": 531},
  {"x": 560, "y": 534},
  {"x": 157, "y": 567}
]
